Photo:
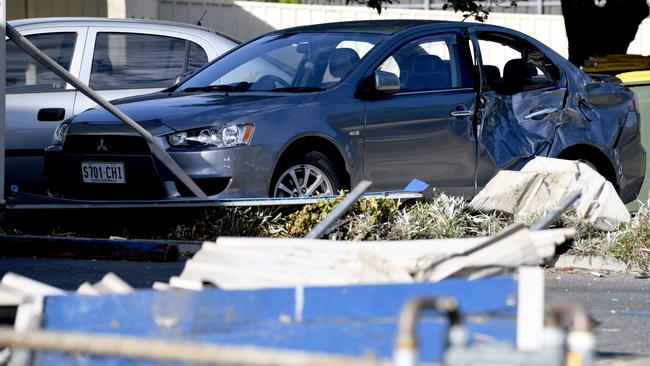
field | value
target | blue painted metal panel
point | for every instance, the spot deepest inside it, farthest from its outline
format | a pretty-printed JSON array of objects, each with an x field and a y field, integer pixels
[{"x": 350, "y": 320}]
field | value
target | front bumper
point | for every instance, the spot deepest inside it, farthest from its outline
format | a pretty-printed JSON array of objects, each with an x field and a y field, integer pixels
[{"x": 236, "y": 172}]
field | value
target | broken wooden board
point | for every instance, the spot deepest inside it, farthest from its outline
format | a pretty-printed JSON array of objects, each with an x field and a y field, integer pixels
[{"x": 248, "y": 263}]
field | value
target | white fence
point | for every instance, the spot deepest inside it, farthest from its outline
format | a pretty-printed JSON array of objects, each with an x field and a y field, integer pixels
[{"x": 246, "y": 19}]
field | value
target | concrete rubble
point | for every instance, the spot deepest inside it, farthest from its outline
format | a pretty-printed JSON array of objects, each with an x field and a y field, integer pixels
[
  {"x": 544, "y": 182},
  {"x": 249, "y": 263},
  {"x": 252, "y": 263}
]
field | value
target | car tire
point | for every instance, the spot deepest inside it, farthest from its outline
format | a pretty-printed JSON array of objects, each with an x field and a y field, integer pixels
[{"x": 317, "y": 167}]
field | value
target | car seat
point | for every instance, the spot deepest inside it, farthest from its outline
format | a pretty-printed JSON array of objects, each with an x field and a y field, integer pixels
[
  {"x": 493, "y": 77},
  {"x": 516, "y": 73},
  {"x": 428, "y": 73}
]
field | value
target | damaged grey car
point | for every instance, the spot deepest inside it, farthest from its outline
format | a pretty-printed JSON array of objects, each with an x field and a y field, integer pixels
[{"x": 315, "y": 109}]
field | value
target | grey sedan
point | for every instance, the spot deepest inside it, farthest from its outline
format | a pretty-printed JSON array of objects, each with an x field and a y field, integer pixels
[{"x": 312, "y": 110}]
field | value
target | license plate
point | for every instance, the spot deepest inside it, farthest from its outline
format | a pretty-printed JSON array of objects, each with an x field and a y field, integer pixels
[{"x": 94, "y": 172}]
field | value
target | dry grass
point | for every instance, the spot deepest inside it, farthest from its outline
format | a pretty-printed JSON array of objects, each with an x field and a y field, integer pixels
[{"x": 439, "y": 217}]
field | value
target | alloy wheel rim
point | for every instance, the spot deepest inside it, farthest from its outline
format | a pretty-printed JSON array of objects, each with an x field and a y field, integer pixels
[{"x": 304, "y": 180}]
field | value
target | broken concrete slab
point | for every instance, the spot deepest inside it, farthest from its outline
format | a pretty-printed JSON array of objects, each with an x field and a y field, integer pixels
[
  {"x": 544, "y": 182},
  {"x": 248, "y": 263}
]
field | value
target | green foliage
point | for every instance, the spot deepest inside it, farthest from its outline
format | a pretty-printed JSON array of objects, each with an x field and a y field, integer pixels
[
  {"x": 479, "y": 10},
  {"x": 632, "y": 243},
  {"x": 299, "y": 223}
]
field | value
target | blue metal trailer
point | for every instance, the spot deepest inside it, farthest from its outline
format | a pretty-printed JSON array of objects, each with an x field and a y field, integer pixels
[{"x": 355, "y": 321}]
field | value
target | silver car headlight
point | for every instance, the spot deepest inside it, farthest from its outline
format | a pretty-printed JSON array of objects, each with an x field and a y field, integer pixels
[
  {"x": 60, "y": 133},
  {"x": 215, "y": 136}
]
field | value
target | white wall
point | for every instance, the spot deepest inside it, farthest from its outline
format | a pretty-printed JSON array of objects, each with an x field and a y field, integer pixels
[{"x": 246, "y": 19}]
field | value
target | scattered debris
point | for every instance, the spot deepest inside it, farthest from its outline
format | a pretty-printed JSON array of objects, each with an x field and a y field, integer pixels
[
  {"x": 109, "y": 284},
  {"x": 242, "y": 263},
  {"x": 544, "y": 182}
]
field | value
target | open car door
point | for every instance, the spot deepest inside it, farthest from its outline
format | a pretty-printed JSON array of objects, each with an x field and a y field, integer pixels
[{"x": 521, "y": 102}]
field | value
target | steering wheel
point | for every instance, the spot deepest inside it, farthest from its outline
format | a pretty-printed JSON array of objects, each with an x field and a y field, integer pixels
[{"x": 269, "y": 82}]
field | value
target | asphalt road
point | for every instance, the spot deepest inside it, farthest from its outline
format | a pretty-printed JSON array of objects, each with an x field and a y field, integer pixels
[{"x": 620, "y": 302}]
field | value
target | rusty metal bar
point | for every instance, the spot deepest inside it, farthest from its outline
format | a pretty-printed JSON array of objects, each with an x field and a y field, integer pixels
[{"x": 172, "y": 351}]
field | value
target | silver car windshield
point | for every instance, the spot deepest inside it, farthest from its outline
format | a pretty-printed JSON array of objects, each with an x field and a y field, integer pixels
[{"x": 298, "y": 62}]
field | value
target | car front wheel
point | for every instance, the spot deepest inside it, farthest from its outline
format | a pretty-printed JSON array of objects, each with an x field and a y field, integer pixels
[{"x": 313, "y": 175}]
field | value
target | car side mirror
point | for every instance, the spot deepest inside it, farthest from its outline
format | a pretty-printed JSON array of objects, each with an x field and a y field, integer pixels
[{"x": 386, "y": 82}]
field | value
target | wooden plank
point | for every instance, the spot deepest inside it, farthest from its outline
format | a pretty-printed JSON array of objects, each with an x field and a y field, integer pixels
[{"x": 260, "y": 262}]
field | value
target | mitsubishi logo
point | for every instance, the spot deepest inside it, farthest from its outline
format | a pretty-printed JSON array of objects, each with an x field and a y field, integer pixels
[{"x": 101, "y": 146}]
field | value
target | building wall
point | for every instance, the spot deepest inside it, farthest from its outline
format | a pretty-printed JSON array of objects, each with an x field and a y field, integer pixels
[
  {"x": 17, "y": 9},
  {"x": 246, "y": 19}
]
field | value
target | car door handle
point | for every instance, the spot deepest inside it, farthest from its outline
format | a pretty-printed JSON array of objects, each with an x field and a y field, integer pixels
[
  {"x": 463, "y": 113},
  {"x": 541, "y": 112},
  {"x": 51, "y": 114}
]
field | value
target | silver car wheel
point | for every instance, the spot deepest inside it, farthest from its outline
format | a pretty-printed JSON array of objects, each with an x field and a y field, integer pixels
[{"x": 304, "y": 180}]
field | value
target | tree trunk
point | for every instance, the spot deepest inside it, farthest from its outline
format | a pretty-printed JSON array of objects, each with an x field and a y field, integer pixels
[{"x": 601, "y": 31}]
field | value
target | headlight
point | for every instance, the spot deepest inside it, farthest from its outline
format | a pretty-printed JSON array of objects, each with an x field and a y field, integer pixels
[
  {"x": 59, "y": 134},
  {"x": 217, "y": 136}
]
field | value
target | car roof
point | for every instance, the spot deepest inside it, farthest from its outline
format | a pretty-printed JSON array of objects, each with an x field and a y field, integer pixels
[
  {"x": 390, "y": 26},
  {"x": 96, "y": 21}
]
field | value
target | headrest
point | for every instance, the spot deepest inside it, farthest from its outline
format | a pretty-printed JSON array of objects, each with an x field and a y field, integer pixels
[
  {"x": 518, "y": 69},
  {"x": 427, "y": 63},
  {"x": 491, "y": 72},
  {"x": 342, "y": 60}
]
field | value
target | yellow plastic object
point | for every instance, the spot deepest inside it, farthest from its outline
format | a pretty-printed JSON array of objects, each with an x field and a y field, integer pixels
[
  {"x": 635, "y": 76},
  {"x": 616, "y": 64}
]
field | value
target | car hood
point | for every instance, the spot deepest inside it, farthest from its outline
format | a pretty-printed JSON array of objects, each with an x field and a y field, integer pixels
[{"x": 162, "y": 113}]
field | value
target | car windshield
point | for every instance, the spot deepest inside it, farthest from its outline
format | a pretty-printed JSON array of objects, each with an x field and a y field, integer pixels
[{"x": 290, "y": 62}]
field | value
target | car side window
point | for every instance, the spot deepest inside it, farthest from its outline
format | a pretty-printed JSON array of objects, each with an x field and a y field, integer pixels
[
  {"x": 196, "y": 58},
  {"x": 426, "y": 64},
  {"x": 511, "y": 66},
  {"x": 24, "y": 74},
  {"x": 131, "y": 60}
]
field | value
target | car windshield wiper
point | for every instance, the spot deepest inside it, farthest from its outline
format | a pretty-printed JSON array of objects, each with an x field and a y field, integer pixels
[
  {"x": 240, "y": 87},
  {"x": 297, "y": 89}
]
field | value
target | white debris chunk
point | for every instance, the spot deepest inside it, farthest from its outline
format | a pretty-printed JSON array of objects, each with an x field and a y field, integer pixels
[
  {"x": 544, "y": 182},
  {"x": 109, "y": 284},
  {"x": 249, "y": 263}
]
